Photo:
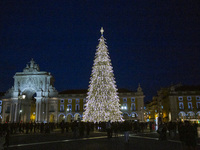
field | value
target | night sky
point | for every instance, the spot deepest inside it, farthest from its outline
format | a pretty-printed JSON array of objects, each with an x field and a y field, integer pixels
[{"x": 154, "y": 43}]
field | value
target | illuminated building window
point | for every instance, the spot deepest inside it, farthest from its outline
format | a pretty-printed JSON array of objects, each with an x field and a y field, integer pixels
[
  {"x": 132, "y": 99},
  {"x": 133, "y": 106},
  {"x": 134, "y": 115},
  {"x": 124, "y": 107},
  {"x": 61, "y": 107},
  {"x": 189, "y": 98},
  {"x": 0, "y": 102},
  {"x": 77, "y": 100},
  {"x": 198, "y": 105},
  {"x": 84, "y": 100},
  {"x": 69, "y": 100},
  {"x": 181, "y": 106},
  {"x": 124, "y": 99},
  {"x": 77, "y": 107},
  {"x": 62, "y": 101},
  {"x": 0, "y": 108},
  {"x": 69, "y": 107},
  {"x": 189, "y": 105},
  {"x": 197, "y": 98},
  {"x": 180, "y": 98}
]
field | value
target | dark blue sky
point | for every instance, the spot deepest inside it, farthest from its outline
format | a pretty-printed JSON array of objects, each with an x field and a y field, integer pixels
[{"x": 154, "y": 43}]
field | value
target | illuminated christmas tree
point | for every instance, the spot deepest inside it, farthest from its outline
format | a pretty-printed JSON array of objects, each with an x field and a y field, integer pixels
[{"x": 102, "y": 100}]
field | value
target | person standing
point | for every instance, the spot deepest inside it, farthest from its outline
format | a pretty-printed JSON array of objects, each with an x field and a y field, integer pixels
[
  {"x": 126, "y": 128},
  {"x": 2, "y": 141},
  {"x": 108, "y": 129},
  {"x": 87, "y": 129}
]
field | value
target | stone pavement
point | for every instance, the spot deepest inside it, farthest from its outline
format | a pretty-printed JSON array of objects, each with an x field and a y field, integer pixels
[{"x": 96, "y": 141}]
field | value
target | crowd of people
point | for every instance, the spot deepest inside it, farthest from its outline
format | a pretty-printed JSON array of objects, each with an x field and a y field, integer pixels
[{"x": 187, "y": 131}]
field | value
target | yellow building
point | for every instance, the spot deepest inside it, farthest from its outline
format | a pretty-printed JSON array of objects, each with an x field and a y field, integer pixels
[
  {"x": 176, "y": 103},
  {"x": 71, "y": 104}
]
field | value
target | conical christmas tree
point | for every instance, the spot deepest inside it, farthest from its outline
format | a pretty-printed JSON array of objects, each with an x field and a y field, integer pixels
[{"x": 102, "y": 100}]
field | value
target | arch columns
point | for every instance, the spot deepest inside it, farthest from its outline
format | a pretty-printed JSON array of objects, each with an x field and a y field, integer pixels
[
  {"x": 42, "y": 109},
  {"x": 39, "y": 109}
]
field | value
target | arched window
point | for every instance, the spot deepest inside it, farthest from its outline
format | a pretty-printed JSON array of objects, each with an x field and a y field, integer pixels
[
  {"x": 124, "y": 106},
  {"x": 133, "y": 106},
  {"x": 77, "y": 107},
  {"x": 69, "y": 107}
]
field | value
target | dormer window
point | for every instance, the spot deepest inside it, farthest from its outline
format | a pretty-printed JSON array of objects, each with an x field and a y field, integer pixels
[
  {"x": 69, "y": 100},
  {"x": 180, "y": 98},
  {"x": 77, "y": 100},
  {"x": 132, "y": 99},
  {"x": 124, "y": 99},
  {"x": 189, "y": 98}
]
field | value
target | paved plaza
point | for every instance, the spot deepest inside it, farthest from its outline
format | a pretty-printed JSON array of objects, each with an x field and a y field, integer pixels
[{"x": 96, "y": 141}]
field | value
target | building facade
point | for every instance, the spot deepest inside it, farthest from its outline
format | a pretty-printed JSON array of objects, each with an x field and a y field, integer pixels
[
  {"x": 34, "y": 98},
  {"x": 175, "y": 103}
]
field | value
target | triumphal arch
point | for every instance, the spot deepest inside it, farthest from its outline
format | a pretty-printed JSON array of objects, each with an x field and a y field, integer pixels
[{"x": 32, "y": 98}]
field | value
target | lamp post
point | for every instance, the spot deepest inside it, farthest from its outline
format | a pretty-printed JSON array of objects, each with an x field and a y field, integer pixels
[{"x": 21, "y": 97}]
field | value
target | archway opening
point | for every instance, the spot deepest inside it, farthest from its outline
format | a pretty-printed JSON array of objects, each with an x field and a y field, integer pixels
[
  {"x": 28, "y": 106},
  {"x": 69, "y": 118},
  {"x": 61, "y": 118},
  {"x": 125, "y": 116},
  {"x": 51, "y": 119},
  {"x": 77, "y": 117}
]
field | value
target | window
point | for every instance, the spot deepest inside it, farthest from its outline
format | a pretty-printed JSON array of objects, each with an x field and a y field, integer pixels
[
  {"x": 132, "y": 99},
  {"x": 189, "y": 105},
  {"x": 69, "y": 100},
  {"x": 77, "y": 107},
  {"x": 162, "y": 106},
  {"x": 189, "y": 98},
  {"x": 69, "y": 107},
  {"x": 77, "y": 100},
  {"x": 180, "y": 98},
  {"x": 61, "y": 107},
  {"x": 62, "y": 101},
  {"x": 0, "y": 108},
  {"x": 198, "y": 105},
  {"x": 197, "y": 98},
  {"x": 124, "y": 99},
  {"x": 155, "y": 110},
  {"x": 84, "y": 100},
  {"x": 181, "y": 106},
  {"x": 124, "y": 107},
  {"x": 51, "y": 108},
  {"x": 0, "y": 102},
  {"x": 133, "y": 106},
  {"x": 133, "y": 115}
]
